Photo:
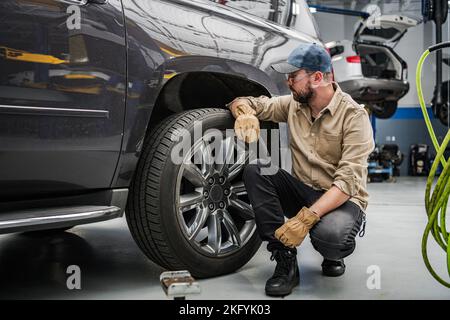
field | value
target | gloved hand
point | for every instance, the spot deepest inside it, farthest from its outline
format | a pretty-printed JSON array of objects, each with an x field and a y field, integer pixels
[
  {"x": 293, "y": 231},
  {"x": 247, "y": 128},
  {"x": 240, "y": 107}
]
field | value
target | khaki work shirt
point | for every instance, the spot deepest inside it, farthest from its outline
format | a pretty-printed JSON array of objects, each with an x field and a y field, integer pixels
[{"x": 332, "y": 150}]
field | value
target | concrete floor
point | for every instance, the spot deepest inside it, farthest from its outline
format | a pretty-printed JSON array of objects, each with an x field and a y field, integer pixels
[{"x": 112, "y": 267}]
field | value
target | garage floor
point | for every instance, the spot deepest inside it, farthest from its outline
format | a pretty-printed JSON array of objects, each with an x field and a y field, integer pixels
[{"x": 112, "y": 267}]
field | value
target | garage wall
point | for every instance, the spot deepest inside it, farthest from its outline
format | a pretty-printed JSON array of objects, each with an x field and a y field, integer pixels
[{"x": 407, "y": 126}]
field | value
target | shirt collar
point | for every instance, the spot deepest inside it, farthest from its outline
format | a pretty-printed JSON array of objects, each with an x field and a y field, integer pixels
[{"x": 335, "y": 101}]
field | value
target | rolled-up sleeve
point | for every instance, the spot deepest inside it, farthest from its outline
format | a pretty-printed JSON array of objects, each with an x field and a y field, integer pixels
[
  {"x": 269, "y": 109},
  {"x": 357, "y": 145}
]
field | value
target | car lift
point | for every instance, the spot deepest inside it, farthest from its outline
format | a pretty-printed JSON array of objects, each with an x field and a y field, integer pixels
[{"x": 437, "y": 11}]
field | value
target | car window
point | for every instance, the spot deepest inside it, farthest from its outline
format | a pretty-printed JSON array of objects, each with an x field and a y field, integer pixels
[
  {"x": 273, "y": 10},
  {"x": 302, "y": 20}
]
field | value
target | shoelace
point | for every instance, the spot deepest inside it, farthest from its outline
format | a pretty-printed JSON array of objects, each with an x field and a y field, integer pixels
[{"x": 283, "y": 261}]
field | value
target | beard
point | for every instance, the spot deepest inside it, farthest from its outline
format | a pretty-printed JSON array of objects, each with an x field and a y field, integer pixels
[{"x": 303, "y": 96}]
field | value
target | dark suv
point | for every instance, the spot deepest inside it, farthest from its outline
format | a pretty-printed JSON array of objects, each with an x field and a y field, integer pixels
[{"x": 92, "y": 96}]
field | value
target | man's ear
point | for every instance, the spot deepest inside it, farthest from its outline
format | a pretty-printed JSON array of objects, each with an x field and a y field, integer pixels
[{"x": 317, "y": 78}]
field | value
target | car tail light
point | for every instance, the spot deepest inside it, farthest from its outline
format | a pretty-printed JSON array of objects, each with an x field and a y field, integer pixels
[{"x": 353, "y": 59}]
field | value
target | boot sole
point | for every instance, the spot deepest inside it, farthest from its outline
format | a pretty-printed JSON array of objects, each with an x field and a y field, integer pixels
[
  {"x": 278, "y": 293},
  {"x": 333, "y": 274}
]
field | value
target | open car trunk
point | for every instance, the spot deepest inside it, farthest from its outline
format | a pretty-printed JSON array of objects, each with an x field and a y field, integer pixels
[
  {"x": 375, "y": 38},
  {"x": 380, "y": 62},
  {"x": 385, "y": 29}
]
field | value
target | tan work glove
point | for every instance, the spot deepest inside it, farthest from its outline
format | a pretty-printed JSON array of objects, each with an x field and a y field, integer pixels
[
  {"x": 247, "y": 128},
  {"x": 293, "y": 231},
  {"x": 240, "y": 107}
]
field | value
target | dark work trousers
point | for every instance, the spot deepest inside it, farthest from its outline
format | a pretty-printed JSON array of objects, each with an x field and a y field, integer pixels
[{"x": 278, "y": 195}]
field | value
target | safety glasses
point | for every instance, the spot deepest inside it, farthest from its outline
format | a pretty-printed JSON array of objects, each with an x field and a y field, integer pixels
[{"x": 296, "y": 77}]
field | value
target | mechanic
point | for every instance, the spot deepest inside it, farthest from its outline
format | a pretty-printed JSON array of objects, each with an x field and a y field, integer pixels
[{"x": 330, "y": 139}]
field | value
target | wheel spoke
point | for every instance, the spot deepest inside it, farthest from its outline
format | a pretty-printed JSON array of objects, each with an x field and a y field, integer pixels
[
  {"x": 248, "y": 229},
  {"x": 207, "y": 158},
  {"x": 244, "y": 209},
  {"x": 231, "y": 228},
  {"x": 242, "y": 158},
  {"x": 199, "y": 223},
  {"x": 226, "y": 155},
  {"x": 214, "y": 233},
  {"x": 234, "y": 170},
  {"x": 190, "y": 200},
  {"x": 193, "y": 174},
  {"x": 238, "y": 188}
]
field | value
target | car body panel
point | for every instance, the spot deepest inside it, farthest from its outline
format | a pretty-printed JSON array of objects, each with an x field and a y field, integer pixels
[
  {"x": 343, "y": 70},
  {"x": 375, "y": 90},
  {"x": 62, "y": 100}
]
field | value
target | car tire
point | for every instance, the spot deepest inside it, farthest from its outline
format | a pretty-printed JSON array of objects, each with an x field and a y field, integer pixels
[
  {"x": 384, "y": 110},
  {"x": 442, "y": 113},
  {"x": 155, "y": 215}
]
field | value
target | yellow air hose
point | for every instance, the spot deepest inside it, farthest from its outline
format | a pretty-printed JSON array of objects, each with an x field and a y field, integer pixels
[{"x": 435, "y": 201}]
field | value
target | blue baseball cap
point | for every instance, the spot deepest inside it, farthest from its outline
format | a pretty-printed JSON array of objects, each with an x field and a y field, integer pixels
[{"x": 309, "y": 56}]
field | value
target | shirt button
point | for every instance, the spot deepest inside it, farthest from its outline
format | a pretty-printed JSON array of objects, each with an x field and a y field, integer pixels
[{"x": 312, "y": 134}]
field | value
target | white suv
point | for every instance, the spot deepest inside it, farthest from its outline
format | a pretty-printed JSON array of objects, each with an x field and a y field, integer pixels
[{"x": 368, "y": 68}]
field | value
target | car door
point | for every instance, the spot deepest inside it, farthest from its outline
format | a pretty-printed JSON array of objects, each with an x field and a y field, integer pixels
[{"x": 62, "y": 95}]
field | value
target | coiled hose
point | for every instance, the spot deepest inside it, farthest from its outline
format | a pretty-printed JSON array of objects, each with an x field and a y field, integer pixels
[{"x": 436, "y": 200}]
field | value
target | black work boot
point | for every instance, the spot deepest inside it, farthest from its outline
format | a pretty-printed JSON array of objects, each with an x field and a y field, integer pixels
[
  {"x": 333, "y": 268},
  {"x": 286, "y": 275}
]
